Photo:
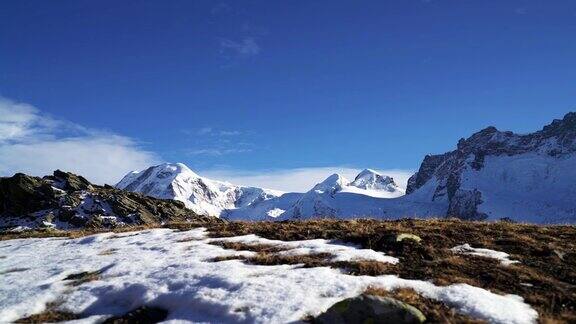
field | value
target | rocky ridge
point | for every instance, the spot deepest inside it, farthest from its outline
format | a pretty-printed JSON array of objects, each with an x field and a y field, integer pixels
[
  {"x": 65, "y": 200},
  {"x": 556, "y": 142}
]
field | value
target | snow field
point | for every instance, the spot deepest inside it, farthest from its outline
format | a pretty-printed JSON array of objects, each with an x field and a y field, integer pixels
[{"x": 172, "y": 270}]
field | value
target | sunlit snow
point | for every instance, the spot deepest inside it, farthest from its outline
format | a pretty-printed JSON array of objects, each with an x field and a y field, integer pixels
[
  {"x": 173, "y": 270},
  {"x": 503, "y": 257}
]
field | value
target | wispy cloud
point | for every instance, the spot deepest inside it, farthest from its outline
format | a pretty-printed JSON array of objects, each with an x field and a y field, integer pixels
[
  {"x": 214, "y": 142},
  {"x": 241, "y": 38},
  {"x": 230, "y": 133},
  {"x": 298, "y": 179},
  {"x": 204, "y": 131},
  {"x": 213, "y": 132},
  {"x": 242, "y": 48},
  {"x": 219, "y": 151},
  {"x": 37, "y": 144}
]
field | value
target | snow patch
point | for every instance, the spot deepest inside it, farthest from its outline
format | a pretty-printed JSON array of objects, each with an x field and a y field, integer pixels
[
  {"x": 503, "y": 257},
  {"x": 275, "y": 212},
  {"x": 341, "y": 251}
]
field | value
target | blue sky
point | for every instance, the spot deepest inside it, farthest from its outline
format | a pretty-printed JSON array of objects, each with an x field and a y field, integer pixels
[{"x": 238, "y": 88}]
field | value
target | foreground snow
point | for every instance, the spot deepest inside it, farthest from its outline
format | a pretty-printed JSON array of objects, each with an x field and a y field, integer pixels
[{"x": 172, "y": 270}]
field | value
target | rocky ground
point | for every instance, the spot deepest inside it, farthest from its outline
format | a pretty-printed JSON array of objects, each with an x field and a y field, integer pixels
[{"x": 537, "y": 263}]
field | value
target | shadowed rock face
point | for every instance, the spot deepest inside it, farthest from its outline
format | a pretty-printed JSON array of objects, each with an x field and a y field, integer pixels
[
  {"x": 66, "y": 200},
  {"x": 555, "y": 140}
]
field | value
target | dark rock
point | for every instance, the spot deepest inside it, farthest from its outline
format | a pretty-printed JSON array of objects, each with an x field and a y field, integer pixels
[
  {"x": 21, "y": 194},
  {"x": 371, "y": 309},
  {"x": 464, "y": 205},
  {"x": 72, "y": 199},
  {"x": 144, "y": 314},
  {"x": 426, "y": 171},
  {"x": 71, "y": 182}
]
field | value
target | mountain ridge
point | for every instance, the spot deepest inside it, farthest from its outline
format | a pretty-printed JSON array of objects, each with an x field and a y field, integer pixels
[
  {"x": 515, "y": 162},
  {"x": 67, "y": 201}
]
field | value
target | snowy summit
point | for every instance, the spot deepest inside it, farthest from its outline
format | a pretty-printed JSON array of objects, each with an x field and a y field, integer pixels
[{"x": 202, "y": 195}]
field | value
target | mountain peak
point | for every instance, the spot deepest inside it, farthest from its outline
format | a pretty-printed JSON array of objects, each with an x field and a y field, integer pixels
[
  {"x": 204, "y": 196},
  {"x": 373, "y": 180},
  {"x": 333, "y": 183},
  {"x": 564, "y": 125},
  {"x": 174, "y": 168},
  {"x": 367, "y": 172}
]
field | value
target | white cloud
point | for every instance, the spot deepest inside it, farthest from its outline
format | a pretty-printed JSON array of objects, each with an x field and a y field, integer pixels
[
  {"x": 245, "y": 47},
  {"x": 230, "y": 133},
  {"x": 36, "y": 144},
  {"x": 296, "y": 180}
]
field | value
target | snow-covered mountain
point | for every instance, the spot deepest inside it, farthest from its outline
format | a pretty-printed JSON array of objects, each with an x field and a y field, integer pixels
[
  {"x": 216, "y": 198},
  {"x": 202, "y": 195},
  {"x": 495, "y": 174},
  {"x": 375, "y": 184},
  {"x": 336, "y": 197},
  {"x": 490, "y": 175}
]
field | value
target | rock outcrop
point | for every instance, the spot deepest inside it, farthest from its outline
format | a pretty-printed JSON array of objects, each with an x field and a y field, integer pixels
[
  {"x": 66, "y": 200},
  {"x": 371, "y": 309}
]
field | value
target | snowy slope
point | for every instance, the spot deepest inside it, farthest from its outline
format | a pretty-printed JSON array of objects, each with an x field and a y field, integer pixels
[
  {"x": 530, "y": 187},
  {"x": 369, "y": 195},
  {"x": 173, "y": 270},
  {"x": 494, "y": 174},
  {"x": 202, "y": 195}
]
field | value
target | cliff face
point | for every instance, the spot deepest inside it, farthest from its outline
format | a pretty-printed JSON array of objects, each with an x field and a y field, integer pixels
[{"x": 517, "y": 163}]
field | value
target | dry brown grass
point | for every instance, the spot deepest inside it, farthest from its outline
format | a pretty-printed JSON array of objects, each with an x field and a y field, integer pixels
[
  {"x": 144, "y": 314},
  {"x": 83, "y": 277},
  {"x": 71, "y": 234},
  {"x": 268, "y": 255},
  {"x": 50, "y": 315},
  {"x": 240, "y": 246}
]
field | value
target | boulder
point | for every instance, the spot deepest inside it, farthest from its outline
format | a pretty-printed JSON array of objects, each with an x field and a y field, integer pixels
[
  {"x": 72, "y": 182},
  {"x": 371, "y": 309},
  {"x": 406, "y": 236}
]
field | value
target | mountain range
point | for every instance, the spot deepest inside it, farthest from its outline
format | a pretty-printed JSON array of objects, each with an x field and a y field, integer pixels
[
  {"x": 215, "y": 198},
  {"x": 489, "y": 176}
]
